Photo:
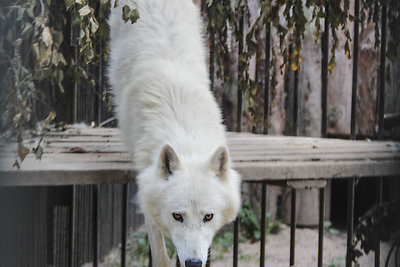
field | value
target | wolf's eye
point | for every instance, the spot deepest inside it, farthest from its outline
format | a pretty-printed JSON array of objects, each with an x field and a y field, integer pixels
[
  {"x": 177, "y": 216},
  {"x": 208, "y": 217}
]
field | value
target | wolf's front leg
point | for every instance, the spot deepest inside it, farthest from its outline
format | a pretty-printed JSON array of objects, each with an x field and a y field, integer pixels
[{"x": 159, "y": 253}]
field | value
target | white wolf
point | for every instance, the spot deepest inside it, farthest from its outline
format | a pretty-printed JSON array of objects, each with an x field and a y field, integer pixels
[{"x": 170, "y": 121}]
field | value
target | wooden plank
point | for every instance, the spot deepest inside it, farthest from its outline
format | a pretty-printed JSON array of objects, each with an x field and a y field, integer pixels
[
  {"x": 82, "y": 131},
  {"x": 37, "y": 165},
  {"x": 315, "y": 157},
  {"x": 54, "y": 147},
  {"x": 256, "y": 171},
  {"x": 288, "y": 151},
  {"x": 301, "y": 145},
  {"x": 44, "y": 177},
  {"x": 125, "y": 157},
  {"x": 79, "y": 138},
  {"x": 256, "y": 157},
  {"x": 307, "y": 184}
]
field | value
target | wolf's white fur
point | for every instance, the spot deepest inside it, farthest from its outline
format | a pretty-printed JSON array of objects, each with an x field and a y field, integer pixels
[{"x": 159, "y": 76}]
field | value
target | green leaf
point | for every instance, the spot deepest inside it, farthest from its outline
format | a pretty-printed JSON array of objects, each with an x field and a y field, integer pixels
[
  {"x": 27, "y": 30},
  {"x": 20, "y": 14},
  {"x": 29, "y": 11},
  {"x": 327, "y": 224},
  {"x": 333, "y": 231}
]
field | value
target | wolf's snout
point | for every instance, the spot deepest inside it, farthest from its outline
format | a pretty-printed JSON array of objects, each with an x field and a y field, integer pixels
[{"x": 193, "y": 263}]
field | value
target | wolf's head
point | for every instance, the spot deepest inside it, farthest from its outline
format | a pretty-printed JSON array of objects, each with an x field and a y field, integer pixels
[{"x": 190, "y": 199}]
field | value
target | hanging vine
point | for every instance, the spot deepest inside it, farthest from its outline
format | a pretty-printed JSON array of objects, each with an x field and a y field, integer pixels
[
  {"x": 36, "y": 52},
  {"x": 288, "y": 19}
]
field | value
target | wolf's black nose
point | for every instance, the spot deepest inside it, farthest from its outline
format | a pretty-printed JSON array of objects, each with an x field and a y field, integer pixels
[{"x": 193, "y": 263}]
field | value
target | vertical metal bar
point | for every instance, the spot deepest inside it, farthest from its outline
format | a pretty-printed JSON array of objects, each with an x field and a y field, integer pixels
[
  {"x": 295, "y": 102},
  {"x": 150, "y": 259},
  {"x": 95, "y": 225},
  {"x": 379, "y": 201},
  {"x": 72, "y": 227},
  {"x": 208, "y": 263},
  {"x": 350, "y": 221},
  {"x": 381, "y": 105},
  {"x": 287, "y": 75},
  {"x": 235, "y": 242},
  {"x": 292, "y": 227},
  {"x": 321, "y": 226},
  {"x": 382, "y": 70},
  {"x": 267, "y": 72},
  {"x": 76, "y": 56},
  {"x": 263, "y": 226},
  {"x": 113, "y": 214},
  {"x": 324, "y": 74},
  {"x": 124, "y": 206},
  {"x": 100, "y": 81},
  {"x": 355, "y": 71},
  {"x": 240, "y": 75}
]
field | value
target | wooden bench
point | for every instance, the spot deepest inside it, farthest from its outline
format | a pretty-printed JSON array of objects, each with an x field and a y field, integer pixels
[{"x": 97, "y": 156}]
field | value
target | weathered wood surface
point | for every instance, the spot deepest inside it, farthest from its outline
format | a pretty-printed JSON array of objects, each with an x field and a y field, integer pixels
[{"x": 256, "y": 157}]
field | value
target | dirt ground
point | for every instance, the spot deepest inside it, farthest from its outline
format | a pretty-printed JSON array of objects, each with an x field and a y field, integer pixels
[
  {"x": 277, "y": 251},
  {"x": 278, "y": 246},
  {"x": 306, "y": 254}
]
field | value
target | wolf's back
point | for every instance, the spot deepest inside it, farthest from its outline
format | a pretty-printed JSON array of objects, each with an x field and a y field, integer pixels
[{"x": 159, "y": 77}]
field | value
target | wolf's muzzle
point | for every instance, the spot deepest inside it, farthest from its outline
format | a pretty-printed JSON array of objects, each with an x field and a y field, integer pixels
[{"x": 193, "y": 263}]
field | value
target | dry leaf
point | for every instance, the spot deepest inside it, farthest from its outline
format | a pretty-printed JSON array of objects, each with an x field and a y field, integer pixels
[
  {"x": 52, "y": 116},
  {"x": 47, "y": 37},
  {"x": 85, "y": 10},
  {"x": 22, "y": 152}
]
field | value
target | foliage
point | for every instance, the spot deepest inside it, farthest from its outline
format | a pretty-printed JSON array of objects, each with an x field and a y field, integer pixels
[
  {"x": 251, "y": 224},
  {"x": 380, "y": 223},
  {"x": 335, "y": 262},
  {"x": 328, "y": 227},
  {"x": 221, "y": 244},
  {"x": 45, "y": 46},
  {"x": 138, "y": 250}
]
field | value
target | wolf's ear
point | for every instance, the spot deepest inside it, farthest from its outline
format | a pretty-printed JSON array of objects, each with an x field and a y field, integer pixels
[
  {"x": 169, "y": 161},
  {"x": 219, "y": 162}
]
